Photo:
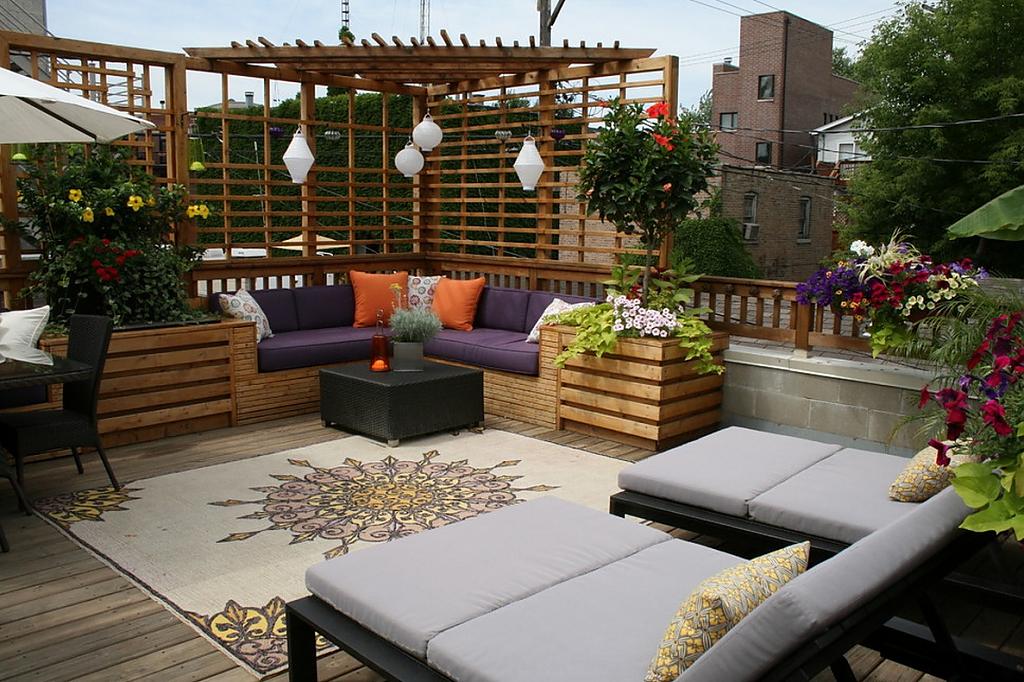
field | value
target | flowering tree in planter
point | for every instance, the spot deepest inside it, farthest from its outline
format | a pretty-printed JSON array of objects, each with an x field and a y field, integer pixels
[
  {"x": 102, "y": 229},
  {"x": 643, "y": 172}
]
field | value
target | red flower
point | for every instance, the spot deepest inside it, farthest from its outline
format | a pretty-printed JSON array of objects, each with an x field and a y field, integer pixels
[
  {"x": 994, "y": 414},
  {"x": 96, "y": 263},
  {"x": 659, "y": 110},
  {"x": 977, "y": 355},
  {"x": 663, "y": 141},
  {"x": 926, "y": 395},
  {"x": 941, "y": 452},
  {"x": 106, "y": 242},
  {"x": 120, "y": 259}
]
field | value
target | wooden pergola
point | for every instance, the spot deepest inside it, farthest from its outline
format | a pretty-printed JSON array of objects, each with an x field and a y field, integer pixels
[
  {"x": 398, "y": 67},
  {"x": 465, "y": 213}
]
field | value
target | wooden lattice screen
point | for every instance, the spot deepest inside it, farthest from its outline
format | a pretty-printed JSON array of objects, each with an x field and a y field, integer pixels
[
  {"x": 467, "y": 203},
  {"x": 470, "y": 199}
]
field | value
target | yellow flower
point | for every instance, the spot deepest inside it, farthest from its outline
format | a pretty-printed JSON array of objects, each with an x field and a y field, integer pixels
[
  {"x": 191, "y": 211},
  {"x": 108, "y": 211},
  {"x": 203, "y": 210},
  {"x": 134, "y": 202},
  {"x": 87, "y": 215},
  {"x": 21, "y": 197},
  {"x": 75, "y": 195},
  {"x": 151, "y": 202}
]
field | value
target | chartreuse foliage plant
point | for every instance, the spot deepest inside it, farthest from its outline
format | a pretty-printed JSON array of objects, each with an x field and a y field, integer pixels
[
  {"x": 668, "y": 314},
  {"x": 102, "y": 228}
]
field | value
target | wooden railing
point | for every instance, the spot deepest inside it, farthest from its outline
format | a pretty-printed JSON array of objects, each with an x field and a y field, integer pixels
[{"x": 757, "y": 309}]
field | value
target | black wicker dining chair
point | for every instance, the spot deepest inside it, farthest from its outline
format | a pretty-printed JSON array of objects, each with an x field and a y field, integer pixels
[{"x": 74, "y": 425}]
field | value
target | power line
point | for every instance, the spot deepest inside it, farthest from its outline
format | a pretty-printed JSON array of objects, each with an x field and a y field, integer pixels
[{"x": 888, "y": 129}]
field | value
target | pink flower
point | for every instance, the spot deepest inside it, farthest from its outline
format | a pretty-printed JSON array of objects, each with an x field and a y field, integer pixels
[{"x": 667, "y": 187}]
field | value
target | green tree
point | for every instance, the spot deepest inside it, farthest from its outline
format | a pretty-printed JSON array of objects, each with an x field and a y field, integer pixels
[
  {"x": 699, "y": 113},
  {"x": 842, "y": 63},
  {"x": 643, "y": 172},
  {"x": 959, "y": 60}
]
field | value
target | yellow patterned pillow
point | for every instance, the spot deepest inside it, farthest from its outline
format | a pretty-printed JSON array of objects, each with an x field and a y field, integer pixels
[
  {"x": 718, "y": 603},
  {"x": 922, "y": 477}
]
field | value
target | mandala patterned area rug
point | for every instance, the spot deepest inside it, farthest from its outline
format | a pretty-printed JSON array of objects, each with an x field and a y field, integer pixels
[{"x": 224, "y": 547}]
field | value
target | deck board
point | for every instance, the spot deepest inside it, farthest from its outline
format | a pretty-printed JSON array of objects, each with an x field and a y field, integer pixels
[{"x": 66, "y": 615}]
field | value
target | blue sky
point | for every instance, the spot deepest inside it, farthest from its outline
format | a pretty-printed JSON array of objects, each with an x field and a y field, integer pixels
[{"x": 698, "y": 34}]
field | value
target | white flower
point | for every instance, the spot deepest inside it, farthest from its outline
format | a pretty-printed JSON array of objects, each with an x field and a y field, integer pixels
[{"x": 862, "y": 248}]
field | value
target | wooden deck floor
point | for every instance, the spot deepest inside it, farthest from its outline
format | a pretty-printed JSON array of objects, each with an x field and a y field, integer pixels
[{"x": 65, "y": 615}]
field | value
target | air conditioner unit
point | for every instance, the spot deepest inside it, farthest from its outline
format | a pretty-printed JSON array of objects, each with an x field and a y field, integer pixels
[{"x": 750, "y": 231}]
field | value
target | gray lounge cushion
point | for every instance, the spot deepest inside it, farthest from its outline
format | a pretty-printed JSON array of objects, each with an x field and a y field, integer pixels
[
  {"x": 843, "y": 497},
  {"x": 605, "y": 625},
  {"x": 724, "y": 470},
  {"x": 830, "y": 591},
  {"x": 411, "y": 589}
]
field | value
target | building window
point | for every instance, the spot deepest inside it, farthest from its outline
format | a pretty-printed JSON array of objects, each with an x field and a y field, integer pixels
[
  {"x": 763, "y": 152},
  {"x": 728, "y": 120},
  {"x": 750, "y": 207},
  {"x": 804, "y": 232},
  {"x": 846, "y": 151},
  {"x": 765, "y": 87}
]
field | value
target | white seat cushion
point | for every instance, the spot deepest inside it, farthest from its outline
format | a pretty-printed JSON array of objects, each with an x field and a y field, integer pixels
[
  {"x": 602, "y": 626},
  {"x": 472, "y": 567},
  {"x": 843, "y": 497},
  {"x": 724, "y": 470}
]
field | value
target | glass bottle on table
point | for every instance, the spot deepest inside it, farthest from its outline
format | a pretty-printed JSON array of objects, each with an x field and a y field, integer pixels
[{"x": 379, "y": 360}]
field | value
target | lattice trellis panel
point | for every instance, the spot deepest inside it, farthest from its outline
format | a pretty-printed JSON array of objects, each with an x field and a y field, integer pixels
[
  {"x": 354, "y": 201},
  {"x": 471, "y": 201}
]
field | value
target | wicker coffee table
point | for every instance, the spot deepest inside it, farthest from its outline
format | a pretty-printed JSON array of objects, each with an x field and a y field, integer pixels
[{"x": 390, "y": 406}]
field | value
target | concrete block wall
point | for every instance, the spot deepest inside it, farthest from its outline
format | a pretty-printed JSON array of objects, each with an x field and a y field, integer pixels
[{"x": 857, "y": 404}]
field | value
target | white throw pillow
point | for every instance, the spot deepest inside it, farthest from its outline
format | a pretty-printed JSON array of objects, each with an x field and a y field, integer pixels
[
  {"x": 243, "y": 306},
  {"x": 22, "y": 328},
  {"x": 421, "y": 291},
  {"x": 556, "y": 306}
]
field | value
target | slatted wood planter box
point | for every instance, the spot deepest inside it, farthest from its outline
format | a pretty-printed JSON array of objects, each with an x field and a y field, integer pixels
[
  {"x": 164, "y": 382},
  {"x": 645, "y": 394}
]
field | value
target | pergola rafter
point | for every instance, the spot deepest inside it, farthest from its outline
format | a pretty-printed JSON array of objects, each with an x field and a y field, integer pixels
[{"x": 429, "y": 63}]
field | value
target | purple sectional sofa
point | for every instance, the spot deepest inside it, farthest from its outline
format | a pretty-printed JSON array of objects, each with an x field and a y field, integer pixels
[{"x": 313, "y": 326}]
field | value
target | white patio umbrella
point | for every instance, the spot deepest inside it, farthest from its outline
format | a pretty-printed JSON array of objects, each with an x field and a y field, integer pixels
[{"x": 31, "y": 111}]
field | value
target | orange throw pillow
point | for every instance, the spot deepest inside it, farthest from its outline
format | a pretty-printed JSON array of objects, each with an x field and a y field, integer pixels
[
  {"x": 455, "y": 302},
  {"x": 373, "y": 293}
]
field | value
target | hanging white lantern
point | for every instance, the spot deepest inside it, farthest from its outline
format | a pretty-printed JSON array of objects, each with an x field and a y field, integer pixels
[
  {"x": 427, "y": 134},
  {"x": 298, "y": 158},
  {"x": 529, "y": 165},
  {"x": 409, "y": 160}
]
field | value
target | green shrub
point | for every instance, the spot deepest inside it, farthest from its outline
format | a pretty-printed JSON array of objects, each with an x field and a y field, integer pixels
[
  {"x": 414, "y": 325},
  {"x": 715, "y": 247}
]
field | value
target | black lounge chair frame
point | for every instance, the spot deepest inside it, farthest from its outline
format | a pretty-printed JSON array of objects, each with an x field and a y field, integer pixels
[
  {"x": 932, "y": 649},
  {"x": 990, "y": 593}
]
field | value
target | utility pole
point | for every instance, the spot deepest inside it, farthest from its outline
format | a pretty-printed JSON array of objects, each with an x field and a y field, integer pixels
[
  {"x": 547, "y": 19},
  {"x": 424, "y": 20},
  {"x": 544, "y": 7}
]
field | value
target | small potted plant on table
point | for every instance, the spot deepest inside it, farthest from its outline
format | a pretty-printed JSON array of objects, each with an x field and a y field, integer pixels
[{"x": 410, "y": 329}]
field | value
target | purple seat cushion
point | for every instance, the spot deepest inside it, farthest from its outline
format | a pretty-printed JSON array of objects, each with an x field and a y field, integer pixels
[
  {"x": 279, "y": 307},
  {"x": 487, "y": 348},
  {"x": 540, "y": 300},
  {"x": 324, "y": 306},
  {"x": 501, "y": 308},
  {"x": 309, "y": 347}
]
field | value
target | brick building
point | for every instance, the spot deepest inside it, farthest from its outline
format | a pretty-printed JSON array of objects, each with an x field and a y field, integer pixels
[
  {"x": 786, "y": 217},
  {"x": 783, "y": 86},
  {"x": 784, "y": 81}
]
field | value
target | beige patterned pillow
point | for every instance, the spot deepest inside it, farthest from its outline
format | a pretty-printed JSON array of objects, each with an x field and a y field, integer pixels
[
  {"x": 718, "y": 603},
  {"x": 922, "y": 477},
  {"x": 242, "y": 306}
]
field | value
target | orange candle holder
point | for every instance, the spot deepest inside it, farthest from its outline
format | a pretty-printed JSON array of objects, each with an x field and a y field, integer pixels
[{"x": 379, "y": 360}]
